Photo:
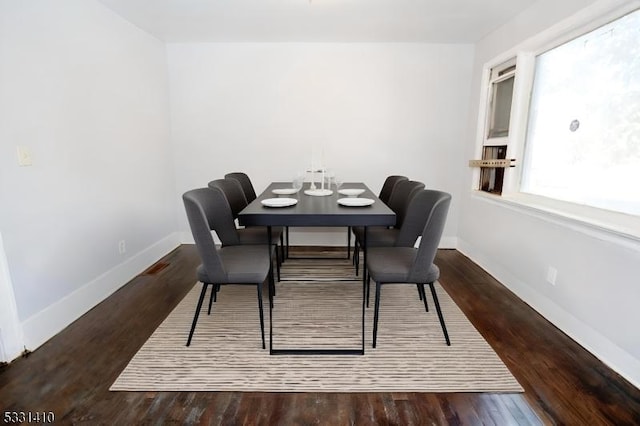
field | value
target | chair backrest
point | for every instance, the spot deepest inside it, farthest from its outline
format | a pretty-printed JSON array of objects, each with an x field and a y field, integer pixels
[
  {"x": 438, "y": 207},
  {"x": 221, "y": 218},
  {"x": 415, "y": 219},
  {"x": 233, "y": 191},
  {"x": 201, "y": 206},
  {"x": 401, "y": 196},
  {"x": 245, "y": 182},
  {"x": 388, "y": 185}
]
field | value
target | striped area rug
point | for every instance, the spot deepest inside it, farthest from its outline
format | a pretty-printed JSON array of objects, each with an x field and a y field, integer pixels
[{"x": 226, "y": 352}]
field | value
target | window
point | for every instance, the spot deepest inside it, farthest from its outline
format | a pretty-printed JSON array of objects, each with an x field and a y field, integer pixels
[
  {"x": 583, "y": 135},
  {"x": 570, "y": 115},
  {"x": 501, "y": 97},
  {"x": 497, "y": 125}
]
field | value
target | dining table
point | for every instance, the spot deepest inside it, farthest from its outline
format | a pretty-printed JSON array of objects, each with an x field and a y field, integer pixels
[{"x": 281, "y": 205}]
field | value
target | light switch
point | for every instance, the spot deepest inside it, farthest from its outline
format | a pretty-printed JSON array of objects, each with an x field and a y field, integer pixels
[{"x": 24, "y": 156}]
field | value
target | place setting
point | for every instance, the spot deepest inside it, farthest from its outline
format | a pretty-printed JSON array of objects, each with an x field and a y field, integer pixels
[
  {"x": 283, "y": 198},
  {"x": 279, "y": 202},
  {"x": 322, "y": 182},
  {"x": 352, "y": 199},
  {"x": 329, "y": 179}
]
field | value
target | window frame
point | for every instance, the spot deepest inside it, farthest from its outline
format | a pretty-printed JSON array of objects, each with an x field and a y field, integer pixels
[
  {"x": 493, "y": 81},
  {"x": 524, "y": 54}
]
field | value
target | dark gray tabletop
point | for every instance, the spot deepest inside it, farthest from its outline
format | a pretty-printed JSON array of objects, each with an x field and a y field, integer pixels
[{"x": 316, "y": 211}]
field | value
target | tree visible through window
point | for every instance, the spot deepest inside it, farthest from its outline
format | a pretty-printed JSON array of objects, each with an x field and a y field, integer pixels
[{"x": 583, "y": 138}]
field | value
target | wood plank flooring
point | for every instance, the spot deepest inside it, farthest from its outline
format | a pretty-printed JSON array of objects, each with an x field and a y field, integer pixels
[{"x": 70, "y": 375}]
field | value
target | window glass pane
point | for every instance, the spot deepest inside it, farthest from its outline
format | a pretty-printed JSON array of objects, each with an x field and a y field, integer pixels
[
  {"x": 501, "y": 108},
  {"x": 583, "y": 140}
]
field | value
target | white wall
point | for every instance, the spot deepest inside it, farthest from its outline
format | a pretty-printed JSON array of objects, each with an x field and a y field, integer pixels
[
  {"x": 87, "y": 93},
  {"x": 376, "y": 109},
  {"x": 595, "y": 299}
]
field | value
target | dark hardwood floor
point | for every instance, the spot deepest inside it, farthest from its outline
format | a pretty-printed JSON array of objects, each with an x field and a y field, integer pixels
[{"x": 70, "y": 375}]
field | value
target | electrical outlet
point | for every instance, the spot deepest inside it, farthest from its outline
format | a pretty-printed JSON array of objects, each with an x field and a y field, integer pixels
[
  {"x": 122, "y": 247},
  {"x": 552, "y": 275}
]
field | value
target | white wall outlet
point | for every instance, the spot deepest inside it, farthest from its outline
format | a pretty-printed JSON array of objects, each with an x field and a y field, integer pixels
[
  {"x": 552, "y": 275},
  {"x": 122, "y": 247},
  {"x": 24, "y": 156}
]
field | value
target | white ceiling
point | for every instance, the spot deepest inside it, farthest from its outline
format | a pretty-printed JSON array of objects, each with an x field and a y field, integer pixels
[{"x": 435, "y": 21}]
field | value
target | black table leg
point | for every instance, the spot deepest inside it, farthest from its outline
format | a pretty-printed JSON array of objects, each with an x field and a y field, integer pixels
[
  {"x": 364, "y": 288},
  {"x": 269, "y": 237},
  {"x": 322, "y": 351},
  {"x": 286, "y": 230},
  {"x": 364, "y": 256},
  {"x": 365, "y": 283}
]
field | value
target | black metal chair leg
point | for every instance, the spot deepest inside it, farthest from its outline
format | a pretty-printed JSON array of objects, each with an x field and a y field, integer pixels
[
  {"x": 261, "y": 314},
  {"x": 375, "y": 314},
  {"x": 214, "y": 291},
  {"x": 355, "y": 252},
  {"x": 420, "y": 290},
  {"x": 349, "y": 242},
  {"x": 423, "y": 296},
  {"x": 444, "y": 327},
  {"x": 195, "y": 317}
]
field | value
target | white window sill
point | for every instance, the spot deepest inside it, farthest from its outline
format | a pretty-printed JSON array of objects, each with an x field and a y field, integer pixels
[{"x": 603, "y": 224}]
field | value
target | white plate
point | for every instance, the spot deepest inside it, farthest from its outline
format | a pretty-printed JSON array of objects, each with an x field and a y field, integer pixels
[
  {"x": 318, "y": 192},
  {"x": 355, "y": 202},
  {"x": 279, "y": 202},
  {"x": 351, "y": 192},
  {"x": 284, "y": 191}
]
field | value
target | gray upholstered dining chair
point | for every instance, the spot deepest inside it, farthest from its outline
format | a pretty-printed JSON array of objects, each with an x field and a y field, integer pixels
[
  {"x": 399, "y": 202},
  {"x": 234, "y": 194},
  {"x": 388, "y": 186},
  {"x": 409, "y": 265},
  {"x": 385, "y": 194},
  {"x": 208, "y": 210},
  {"x": 245, "y": 183},
  {"x": 250, "y": 194}
]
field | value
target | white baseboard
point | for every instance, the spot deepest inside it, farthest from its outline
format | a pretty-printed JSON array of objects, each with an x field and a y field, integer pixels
[
  {"x": 332, "y": 237},
  {"x": 186, "y": 238},
  {"x": 448, "y": 242},
  {"x": 600, "y": 346},
  {"x": 45, "y": 324},
  {"x": 302, "y": 236}
]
